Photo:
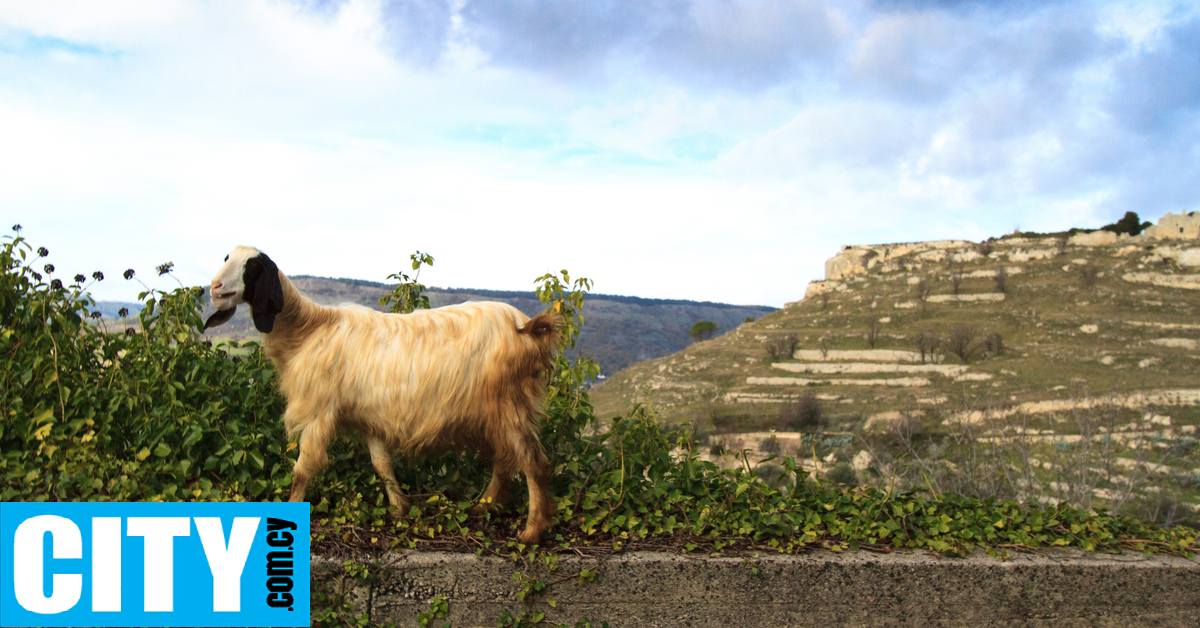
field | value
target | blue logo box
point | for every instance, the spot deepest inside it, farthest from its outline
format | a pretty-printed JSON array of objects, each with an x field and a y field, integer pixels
[{"x": 154, "y": 564}]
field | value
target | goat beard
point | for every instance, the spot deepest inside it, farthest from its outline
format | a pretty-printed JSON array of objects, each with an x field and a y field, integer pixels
[{"x": 219, "y": 317}]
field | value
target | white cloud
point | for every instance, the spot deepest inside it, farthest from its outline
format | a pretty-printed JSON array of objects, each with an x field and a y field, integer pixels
[{"x": 715, "y": 152}]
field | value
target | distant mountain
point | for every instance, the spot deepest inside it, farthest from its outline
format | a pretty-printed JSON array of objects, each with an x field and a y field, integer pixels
[{"x": 618, "y": 330}]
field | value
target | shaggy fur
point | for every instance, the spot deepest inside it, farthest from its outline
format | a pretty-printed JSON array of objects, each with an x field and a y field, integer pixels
[{"x": 466, "y": 375}]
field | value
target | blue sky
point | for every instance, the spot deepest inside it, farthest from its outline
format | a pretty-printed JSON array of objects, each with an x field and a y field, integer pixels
[{"x": 701, "y": 149}]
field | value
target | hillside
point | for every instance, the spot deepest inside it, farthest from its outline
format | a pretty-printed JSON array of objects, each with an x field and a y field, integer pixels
[
  {"x": 1064, "y": 337},
  {"x": 1114, "y": 314},
  {"x": 620, "y": 330}
]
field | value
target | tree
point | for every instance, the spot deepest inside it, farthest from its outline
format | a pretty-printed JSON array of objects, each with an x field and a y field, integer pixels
[
  {"x": 783, "y": 347},
  {"x": 961, "y": 341},
  {"x": 1130, "y": 224},
  {"x": 922, "y": 288},
  {"x": 1001, "y": 279},
  {"x": 702, "y": 330},
  {"x": 874, "y": 328},
  {"x": 994, "y": 344},
  {"x": 1061, "y": 240},
  {"x": 804, "y": 412},
  {"x": 927, "y": 343}
]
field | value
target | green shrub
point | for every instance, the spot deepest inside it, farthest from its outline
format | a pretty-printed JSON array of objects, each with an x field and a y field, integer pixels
[
  {"x": 1129, "y": 224},
  {"x": 703, "y": 330},
  {"x": 160, "y": 414},
  {"x": 154, "y": 414},
  {"x": 843, "y": 474},
  {"x": 805, "y": 413}
]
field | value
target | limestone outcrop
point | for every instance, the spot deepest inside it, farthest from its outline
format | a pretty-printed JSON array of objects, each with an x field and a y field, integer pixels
[
  {"x": 911, "y": 256},
  {"x": 1095, "y": 238}
]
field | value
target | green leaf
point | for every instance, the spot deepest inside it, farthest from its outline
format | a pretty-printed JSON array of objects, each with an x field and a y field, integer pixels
[
  {"x": 43, "y": 416},
  {"x": 193, "y": 434}
]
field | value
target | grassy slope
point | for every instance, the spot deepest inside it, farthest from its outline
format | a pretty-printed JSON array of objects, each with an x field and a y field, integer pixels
[{"x": 1048, "y": 355}]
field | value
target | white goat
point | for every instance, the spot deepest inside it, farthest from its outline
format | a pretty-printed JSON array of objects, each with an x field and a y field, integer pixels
[{"x": 466, "y": 375}]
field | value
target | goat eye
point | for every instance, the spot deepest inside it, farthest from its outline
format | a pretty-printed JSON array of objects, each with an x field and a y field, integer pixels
[{"x": 227, "y": 258}]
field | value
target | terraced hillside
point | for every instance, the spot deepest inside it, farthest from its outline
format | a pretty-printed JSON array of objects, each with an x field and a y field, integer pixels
[{"x": 1052, "y": 338}]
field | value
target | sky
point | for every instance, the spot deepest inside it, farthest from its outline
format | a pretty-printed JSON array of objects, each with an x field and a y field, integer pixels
[{"x": 715, "y": 150}]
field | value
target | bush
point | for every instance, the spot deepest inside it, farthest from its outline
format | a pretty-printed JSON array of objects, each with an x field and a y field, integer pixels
[
  {"x": 1129, "y": 224},
  {"x": 154, "y": 414},
  {"x": 703, "y": 330},
  {"x": 1001, "y": 280},
  {"x": 994, "y": 344},
  {"x": 922, "y": 290},
  {"x": 961, "y": 341},
  {"x": 874, "y": 329},
  {"x": 804, "y": 413},
  {"x": 906, "y": 430},
  {"x": 782, "y": 347},
  {"x": 771, "y": 475},
  {"x": 1088, "y": 275},
  {"x": 769, "y": 445},
  {"x": 843, "y": 473}
]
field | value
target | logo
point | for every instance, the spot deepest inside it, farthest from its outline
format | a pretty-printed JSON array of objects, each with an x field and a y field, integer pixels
[{"x": 154, "y": 564}]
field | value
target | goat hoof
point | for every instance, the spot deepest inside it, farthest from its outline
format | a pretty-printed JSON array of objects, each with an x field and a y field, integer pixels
[
  {"x": 484, "y": 507},
  {"x": 529, "y": 537}
]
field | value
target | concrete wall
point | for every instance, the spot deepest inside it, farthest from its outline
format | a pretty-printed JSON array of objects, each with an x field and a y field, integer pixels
[{"x": 816, "y": 589}]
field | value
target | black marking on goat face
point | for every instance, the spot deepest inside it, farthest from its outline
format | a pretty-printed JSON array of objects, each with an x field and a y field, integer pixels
[{"x": 262, "y": 290}]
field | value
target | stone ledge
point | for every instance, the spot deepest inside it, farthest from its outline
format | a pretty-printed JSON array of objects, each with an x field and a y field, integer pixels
[{"x": 817, "y": 589}]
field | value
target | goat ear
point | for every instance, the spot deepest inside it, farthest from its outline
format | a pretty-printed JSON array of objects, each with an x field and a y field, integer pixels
[
  {"x": 262, "y": 291},
  {"x": 218, "y": 317}
]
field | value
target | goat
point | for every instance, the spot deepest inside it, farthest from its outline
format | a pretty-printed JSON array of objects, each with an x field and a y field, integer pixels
[{"x": 467, "y": 375}]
